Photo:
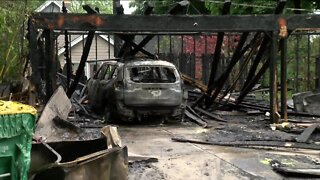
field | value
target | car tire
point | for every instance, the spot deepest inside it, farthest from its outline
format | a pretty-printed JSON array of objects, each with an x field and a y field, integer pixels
[{"x": 176, "y": 119}]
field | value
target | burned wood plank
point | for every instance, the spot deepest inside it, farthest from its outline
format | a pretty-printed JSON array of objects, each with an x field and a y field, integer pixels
[
  {"x": 283, "y": 79},
  {"x": 141, "y": 45},
  {"x": 252, "y": 143},
  {"x": 235, "y": 58},
  {"x": 294, "y": 172},
  {"x": 305, "y": 135},
  {"x": 136, "y": 46},
  {"x": 84, "y": 56},
  {"x": 256, "y": 61},
  {"x": 50, "y": 64},
  {"x": 195, "y": 117},
  {"x": 217, "y": 51},
  {"x": 273, "y": 79},
  {"x": 253, "y": 81},
  {"x": 34, "y": 56},
  {"x": 66, "y": 51},
  {"x": 80, "y": 70},
  {"x": 193, "y": 82},
  {"x": 211, "y": 115}
]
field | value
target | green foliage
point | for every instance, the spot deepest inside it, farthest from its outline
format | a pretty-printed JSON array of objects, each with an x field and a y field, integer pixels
[
  {"x": 163, "y": 6},
  {"x": 260, "y": 6},
  {"x": 105, "y": 6},
  {"x": 12, "y": 44}
]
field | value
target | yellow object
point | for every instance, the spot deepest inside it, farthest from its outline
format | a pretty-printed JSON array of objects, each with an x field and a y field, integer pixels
[
  {"x": 266, "y": 161},
  {"x": 10, "y": 107}
]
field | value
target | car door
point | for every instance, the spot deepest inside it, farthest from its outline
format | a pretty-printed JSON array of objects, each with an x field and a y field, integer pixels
[
  {"x": 93, "y": 86},
  {"x": 105, "y": 90}
]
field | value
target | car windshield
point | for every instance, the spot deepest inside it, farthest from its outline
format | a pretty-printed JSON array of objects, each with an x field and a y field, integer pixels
[{"x": 152, "y": 74}]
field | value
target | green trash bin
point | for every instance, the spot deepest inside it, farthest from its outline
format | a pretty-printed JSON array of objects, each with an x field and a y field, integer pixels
[{"x": 17, "y": 122}]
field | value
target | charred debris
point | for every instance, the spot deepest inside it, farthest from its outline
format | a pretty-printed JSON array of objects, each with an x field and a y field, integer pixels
[{"x": 215, "y": 99}]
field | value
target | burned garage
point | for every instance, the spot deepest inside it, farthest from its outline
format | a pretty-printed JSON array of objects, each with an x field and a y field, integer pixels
[{"x": 177, "y": 89}]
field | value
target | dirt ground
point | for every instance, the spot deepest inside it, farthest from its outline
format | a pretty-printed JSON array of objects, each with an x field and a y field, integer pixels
[{"x": 193, "y": 161}]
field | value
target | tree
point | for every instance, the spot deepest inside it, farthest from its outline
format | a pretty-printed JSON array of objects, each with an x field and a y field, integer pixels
[
  {"x": 105, "y": 6},
  {"x": 262, "y": 6},
  {"x": 163, "y": 6},
  {"x": 12, "y": 44},
  {"x": 238, "y": 6}
]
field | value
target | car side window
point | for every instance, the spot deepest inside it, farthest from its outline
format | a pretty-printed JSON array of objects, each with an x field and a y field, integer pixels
[
  {"x": 102, "y": 72},
  {"x": 115, "y": 72},
  {"x": 97, "y": 73},
  {"x": 107, "y": 74}
]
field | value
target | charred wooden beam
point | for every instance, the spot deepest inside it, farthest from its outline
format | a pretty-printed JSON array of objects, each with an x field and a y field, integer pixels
[
  {"x": 126, "y": 47},
  {"x": 283, "y": 78},
  {"x": 190, "y": 113},
  {"x": 317, "y": 73},
  {"x": 180, "y": 8},
  {"x": 217, "y": 51},
  {"x": 66, "y": 52},
  {"x": 34, "y": 56},
  {"x": 280, "y": 6},
  {"x": 253, "y": 143},
  {"x": 211, "y": 115},
  {"x": 273, "y": 79},
  {"x": 80, "y": 70},
  {"x": 253, "y": 81},
  {"x": 50, "y": 63},
  {"x": 123, "y": 37},
  {"x": 164, "y": 23},
  {"x": 117, "y": 41},
  {"x": 295, "y": 172},
  {"x": 141, "y": 45},
  {"x": 89, "y": 9},
  {"x": 148, "y": 9},
  {"x": 224, "y": 76},
  {"x": 256, "y": 62},
  {"x": 305, "y": 135},
  {"x": 173, "y": 24},
  {"x": 264, "y": 45},
  {"x": 297, "y": 6},
  {"x": 84, "y": 57}
]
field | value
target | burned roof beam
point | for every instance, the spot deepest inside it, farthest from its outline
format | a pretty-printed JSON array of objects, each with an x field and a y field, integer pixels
[
  {"x": 148, "y": 9},
  {"x": 84, "y": 56},
  {"x": 66, "y": 52},
  {"x": 280, "y": 7},
  {"x": 171, "y": 24},
  {"x": 90, "y": 10},
  {"x": 253, "y": 81},
  {"x": 180, "y": 8},
  {"x": 217, "y": 53},
  {"x": 164, "y": 23},
  {"x": 235, "y": 58},
  {"x": 256, "y": 62},
  {"x": 125, "y": 48},
  {"x": 123, "y": 37},
  {"x": 141, "y": 45},
  {"x": 264, "y": 45}
]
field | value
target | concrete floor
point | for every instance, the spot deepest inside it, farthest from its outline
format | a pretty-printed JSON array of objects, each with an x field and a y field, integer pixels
[{"x": 194, "y": 161}]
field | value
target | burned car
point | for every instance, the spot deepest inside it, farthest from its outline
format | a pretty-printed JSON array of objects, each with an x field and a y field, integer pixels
[{"x": 138, "y": 88}]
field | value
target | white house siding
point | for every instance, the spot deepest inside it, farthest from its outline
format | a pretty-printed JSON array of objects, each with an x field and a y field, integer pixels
[
  {"x": 51, "y": 8},
  {"x": 99, "y": 50}
]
